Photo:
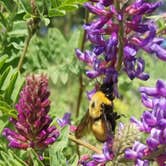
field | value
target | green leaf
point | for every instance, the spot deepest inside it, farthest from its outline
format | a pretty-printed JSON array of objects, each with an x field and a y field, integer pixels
[
  {"x": 10, "y": 112},
  {"x": 55, "y": 3},
  {"x": 10, "y": 88},
  {"x": 8, "y": 158},
  {"x": 55, "y": 12},
  {"x": 68, "y": 7},
  {"x": 3, "y": 60},
  {"x": 26, "y": 5},
  {"x": 16, "y": 91},
  {"x": 64, "y": 77},
  {"x": 3, "y": 21},
  {"x": 9, "y": 4},
  {"x": 10, "y": 85},
  {"x": 56, "y": 150},
  {"x": 4, "y": 75},
  {"x": 58, "y": 159},
  {"x": 74, "y": 160},
  {"x": 53, "y": 74},
  {"x": 62, "y": 141},
  {"x": 3, "y": 124}
]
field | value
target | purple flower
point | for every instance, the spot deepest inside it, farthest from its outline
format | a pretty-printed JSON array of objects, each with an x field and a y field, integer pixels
[
  {"x": 142, "y": 162},
  {"x": 137, "y": 152},
  {"x": 65, "y": 120},
  {"x": 141, "y": 7},
  {"x": 104, "y": 31},
  {"x": 153, "y": 121},
  {"x": 101, "y": 159},
  {"x": 32, "y": 126},
  {"x": 107, "y": 153}
]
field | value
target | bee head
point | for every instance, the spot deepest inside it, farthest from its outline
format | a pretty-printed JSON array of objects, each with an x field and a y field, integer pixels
[{"x": 108, "y": 90}]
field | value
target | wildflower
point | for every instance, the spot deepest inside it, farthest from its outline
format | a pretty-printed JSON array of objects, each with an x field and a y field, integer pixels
[
  {"x": 136, "y": 153},
  {"x": 153, "y": 121},
  {"x": 100, "y": 159},
  {"x": 65, "y": 120},
  {"x": 128, "y": 23},
  {"x": 32, "y": 126}
]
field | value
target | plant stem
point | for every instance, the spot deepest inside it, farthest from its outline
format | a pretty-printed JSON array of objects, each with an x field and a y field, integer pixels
[
  {"x": 26, "y": 45},
  {"x": 81, "y": 88},
  {"x": 85, "y": 144},
  {"x": 120, "y": 38},
  {"x": 31, "y": 25}
]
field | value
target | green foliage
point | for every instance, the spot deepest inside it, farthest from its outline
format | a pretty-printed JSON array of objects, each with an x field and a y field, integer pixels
[
  {"x": 10, "y": 85},
  {"x": 9, "y": 158},
  {"x": 50, "y": 8},
  {"x": 60, "y": 7},
  {"x": 9, "y": 4},
  {"x": 56, "y": 151},
  {"x": 54, "y": 55}
]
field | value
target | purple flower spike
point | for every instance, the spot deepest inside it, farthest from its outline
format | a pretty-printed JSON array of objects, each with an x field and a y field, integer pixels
[
  {"x": 32, "y": 126},
  {"x": 138, "y": 34},
  {"x": 152, "y": 122}
]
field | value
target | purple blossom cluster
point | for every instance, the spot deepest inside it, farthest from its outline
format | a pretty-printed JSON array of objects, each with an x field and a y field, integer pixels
[
  {"x": 117, "y": 34},
  {"x": 32, "y": 125},
  {"x": 153, "y": 122}
]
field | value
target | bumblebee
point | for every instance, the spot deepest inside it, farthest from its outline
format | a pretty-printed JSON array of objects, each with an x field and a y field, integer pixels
[{"x": 99, "y": 118}]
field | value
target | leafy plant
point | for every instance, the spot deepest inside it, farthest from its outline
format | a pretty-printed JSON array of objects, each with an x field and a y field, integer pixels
[
  {"x": 56, "y": 59},
  {"x": 10, "y": 85}
]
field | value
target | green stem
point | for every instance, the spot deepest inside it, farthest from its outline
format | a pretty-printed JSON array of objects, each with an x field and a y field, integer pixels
[
  {"x": 120, "y": 38},
  {"x": 81, "y": 90},
  {"x": 26, "y": 45},
  {"x": 81, "y": 86},
  {"x": 31, "y": 25}
]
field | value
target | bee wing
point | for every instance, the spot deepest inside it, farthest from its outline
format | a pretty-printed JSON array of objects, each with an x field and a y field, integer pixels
[
  {"x": 84, "y": 125},
  {"x": 110, "y": 118},
  {"x": 108, "y": 125}
]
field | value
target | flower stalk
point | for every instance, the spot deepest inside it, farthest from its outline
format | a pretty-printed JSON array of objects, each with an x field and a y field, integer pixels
[
  {"x": 26, "y": 45},
  {"x": 31, "y": 26},
  {"x": 120, "y": 36},
  {"x": 85, "y": 144},
  {"x": 81, "y": 86}
]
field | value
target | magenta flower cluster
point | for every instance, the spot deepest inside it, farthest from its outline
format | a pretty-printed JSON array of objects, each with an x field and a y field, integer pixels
[
  {"x": 32, "y": 126},
  {"x": 118, "y": 35},
  {"x": 153, "y": 122}
]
